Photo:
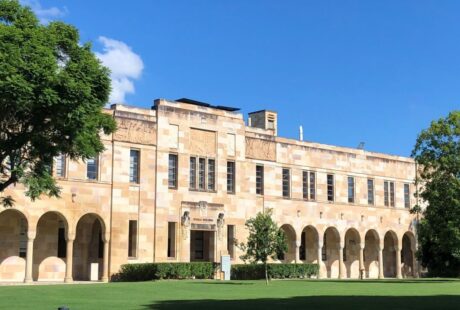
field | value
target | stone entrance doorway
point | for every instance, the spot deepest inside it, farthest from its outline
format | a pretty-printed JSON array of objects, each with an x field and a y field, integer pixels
[{"x": 202, "y": 246}]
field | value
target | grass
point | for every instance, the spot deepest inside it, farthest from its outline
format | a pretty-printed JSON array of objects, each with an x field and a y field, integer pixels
[{"x": 294, "y": 294}]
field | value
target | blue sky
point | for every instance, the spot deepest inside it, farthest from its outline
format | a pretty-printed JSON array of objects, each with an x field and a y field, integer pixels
[{"x": 347, "y": 71}]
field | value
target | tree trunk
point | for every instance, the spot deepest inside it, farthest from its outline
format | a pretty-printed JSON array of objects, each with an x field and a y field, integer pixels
[{"x": 266, "y": 274}]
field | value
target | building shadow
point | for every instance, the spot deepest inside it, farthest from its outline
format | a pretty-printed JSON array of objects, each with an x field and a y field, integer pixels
[{"x": 317, "y": 303}]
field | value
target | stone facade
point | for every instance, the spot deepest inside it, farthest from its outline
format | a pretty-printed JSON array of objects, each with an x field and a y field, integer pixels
[{"x": 177, "y": 213}]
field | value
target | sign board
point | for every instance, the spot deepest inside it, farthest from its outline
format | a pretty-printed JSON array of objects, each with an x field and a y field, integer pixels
[{"x": 225, "y": 266}]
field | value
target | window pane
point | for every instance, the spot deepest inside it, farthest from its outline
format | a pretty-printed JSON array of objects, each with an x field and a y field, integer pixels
[
  {"x": 201, "y": 173},
  {"x": 91, "y": 168},
  {"x": 211, "y": 174},
  {"x": 330, "y": 187},
  {"x": 286, "y": 183},
  {"x": 134, "y": 166},
  {"x": 351, "y": 189},
  {"x": 132, "y": 239},
  {"x": 230, "y": 176},
  {"x": 392, "y": 194},
  {"x": 406, "y": 196},
  {"x": 171, "y": 239},
  {"x": 172, "y": 171},
  {"x": 193, "y": 172},
  {"x": 370, "y": 192},
  {"x": 312, "y": 186},
  {"x": 305, "y": 184},
  {"x": 385, "y": 194},
  {"x": 259, "y": 180},
  {"x": 60, "y": 166}
]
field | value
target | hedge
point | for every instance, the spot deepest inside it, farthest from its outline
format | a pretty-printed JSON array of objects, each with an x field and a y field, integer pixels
[
  {"x": 275, "y": 271},
  {"x": 155, "y": 271}
]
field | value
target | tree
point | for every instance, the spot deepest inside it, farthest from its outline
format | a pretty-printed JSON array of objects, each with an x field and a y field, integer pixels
[
  {"x": 52, "y": 91},
  {"x": 265, "y": 240},
  {"x": 437, "y": 153}
]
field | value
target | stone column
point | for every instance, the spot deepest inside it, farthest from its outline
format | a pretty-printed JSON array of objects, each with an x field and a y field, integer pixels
[
  {"x": 381, "y": 262},
  {"x": 105, "y": 267},
  {"x": 297, "y": 251},
  {"x": 69, "y": 261},
  {"x": 320, "y": 258},
  {"x": 398, "y": 263},
  {"x": 341, "y": 269},
  {"x": 29, "y": 260},
  {"x": 361, "y": 259}
]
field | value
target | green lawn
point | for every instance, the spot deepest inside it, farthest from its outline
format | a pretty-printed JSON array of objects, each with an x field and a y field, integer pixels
[{"x": 194, "y": 295}]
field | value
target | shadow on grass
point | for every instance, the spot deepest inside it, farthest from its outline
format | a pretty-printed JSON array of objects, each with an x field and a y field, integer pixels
[
  {"x": 367, "y": 281},
  {"x": 318, "y": 302},
  {"x": 224, "y": 283}
]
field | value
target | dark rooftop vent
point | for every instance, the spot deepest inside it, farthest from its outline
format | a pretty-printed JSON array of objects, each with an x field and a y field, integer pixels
[{"x": 207, "y": 105}]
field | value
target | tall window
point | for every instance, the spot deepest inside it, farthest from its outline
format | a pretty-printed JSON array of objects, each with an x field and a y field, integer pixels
[
  {"x": 330, "y": 187},
  {"x": 211, "y": 174},
  {"x": 286, "y": 183},
  {"x": 201, "y": 173},
  {"x": 386, "y": 199},
  {"x": 172, "y": 171},
  {"x": 132, "y": 239},
  {"x": 259, "y": 180},
  {"x": 171, "y": 239},
  {"x": 134, "y": 166},
  {"x": 231, "y": 177},
  {"x": 392, "y": 194},
  {"x": 92, "y": 167},
  {"x": 193, "y": 172},
  {"x": 351, "y": 189},
  {"x": 370, "y": 192},
  {"x": 406, "y": 196},
  {"x": 305, "y": 184},
  {"x": 312, "y": 185},
  {"x": 61, "y": 248},
  {"x": 59, "y": 162},
  {"x": 231, "y": 240},
  {"x": 389, "y": 193}
]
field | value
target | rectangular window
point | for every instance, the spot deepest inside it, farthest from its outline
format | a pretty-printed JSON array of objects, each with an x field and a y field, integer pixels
[
  {"x": 259, "y": 180},
  {"x": 211, "y": 174},
  {"x": 171, "y": 239},
  {"x": 370, "y": 192},
  {"x": 132, "y": 239},
  {"x": 330, "y": 187},
  {"x": 286, "y": 183},
  {"x": 61, "y": 248},
  {"x": 231, "y": 240},
  {"x": 201, "y": 173},
  {"x": 92, "y": 168},
  {"x": 172, "y": 171},
  {"x": 305, "y": 185},
  {"x": 134, "y": 166},
  {"x": 406, "y": 196},
  {"x": 60, "y": 164},
  {"x": 386, "y": 199},
  {"x": 231, "y": 177},
  {"x": 192, "y": 173},
  {"x": 312, "y": 185},
  {"x": 351, "y": 189},
  {"x": 392, "y": 194}
]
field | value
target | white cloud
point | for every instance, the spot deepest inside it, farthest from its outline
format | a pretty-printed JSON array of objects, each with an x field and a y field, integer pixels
[
  {"x": 125, "y": 66},
  {"x": 45, "y": 15}
]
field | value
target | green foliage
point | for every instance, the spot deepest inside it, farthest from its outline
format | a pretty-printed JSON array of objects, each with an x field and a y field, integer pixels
[
  {"x": 437, "y": 152},
  {"x": 52, "y": 91},
  {"x": 265, "y": 240},
  {"x": 275, "y": 271},
  {"x": 155, "y": 271}
]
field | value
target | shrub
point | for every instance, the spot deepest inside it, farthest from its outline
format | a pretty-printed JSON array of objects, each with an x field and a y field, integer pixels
[
  {"x": 275, "y": 271},
  {"x": 154, "y": 271}
]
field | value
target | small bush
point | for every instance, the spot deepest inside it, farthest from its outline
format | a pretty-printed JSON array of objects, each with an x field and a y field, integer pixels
[
  {"x": 275, "y": 271},
  {"x": 154, "y": 271}
]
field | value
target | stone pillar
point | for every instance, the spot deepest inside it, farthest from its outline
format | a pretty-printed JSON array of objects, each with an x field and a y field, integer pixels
[
  {"x": 381, "y": 262},
  {"x": 69, "y": 261},
  {"x": 29, "y": 260},
  {"x": 398, "y": 263},
  {"x": 105, "y": 267},
  {"x": 297, "y": 251},
  {"x": 361, "y": 259},
  {"x": 320, "y": 258},
  {"x": 341, "y": 267}
]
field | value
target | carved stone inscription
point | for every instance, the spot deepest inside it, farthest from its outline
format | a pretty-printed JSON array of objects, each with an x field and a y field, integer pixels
[
  {"x": 260, "y": 149},
  {"x": 136, "y": 131},
  {"x": 202, "y": 142}
]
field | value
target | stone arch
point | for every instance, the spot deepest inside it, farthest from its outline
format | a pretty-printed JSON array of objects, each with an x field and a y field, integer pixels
[
  {"x": 408, "y": 262},
  {"x": 351, "y": 249},
  {"x": 13, "y": 245},
  {"x": 330, "y": 252},
  {"x": 88, "y": 247},
  {"x": 371, "y": 254},
  {"x": 49, "y": 255},
  {"x": 290, "y": 255},
  {"x": 390, "y": 246},
  {"x": 309, "y": 245}
]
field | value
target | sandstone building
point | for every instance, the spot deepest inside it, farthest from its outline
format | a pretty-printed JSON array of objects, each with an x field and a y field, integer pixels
[{"x": 176, "y": 183}]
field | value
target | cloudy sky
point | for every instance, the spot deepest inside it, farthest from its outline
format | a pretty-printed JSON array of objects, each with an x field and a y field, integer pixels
[{"x": 347, "y": 71}]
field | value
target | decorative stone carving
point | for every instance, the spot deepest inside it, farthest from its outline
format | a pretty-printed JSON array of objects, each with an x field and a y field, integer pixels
[
  {"x": 220, "y": 226},
  {"x": 202, "y": 142},
  {"x": 136, "y": 131},
  {"x": 260, "y": 149},
  {"x": 185, "y": 221}
]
